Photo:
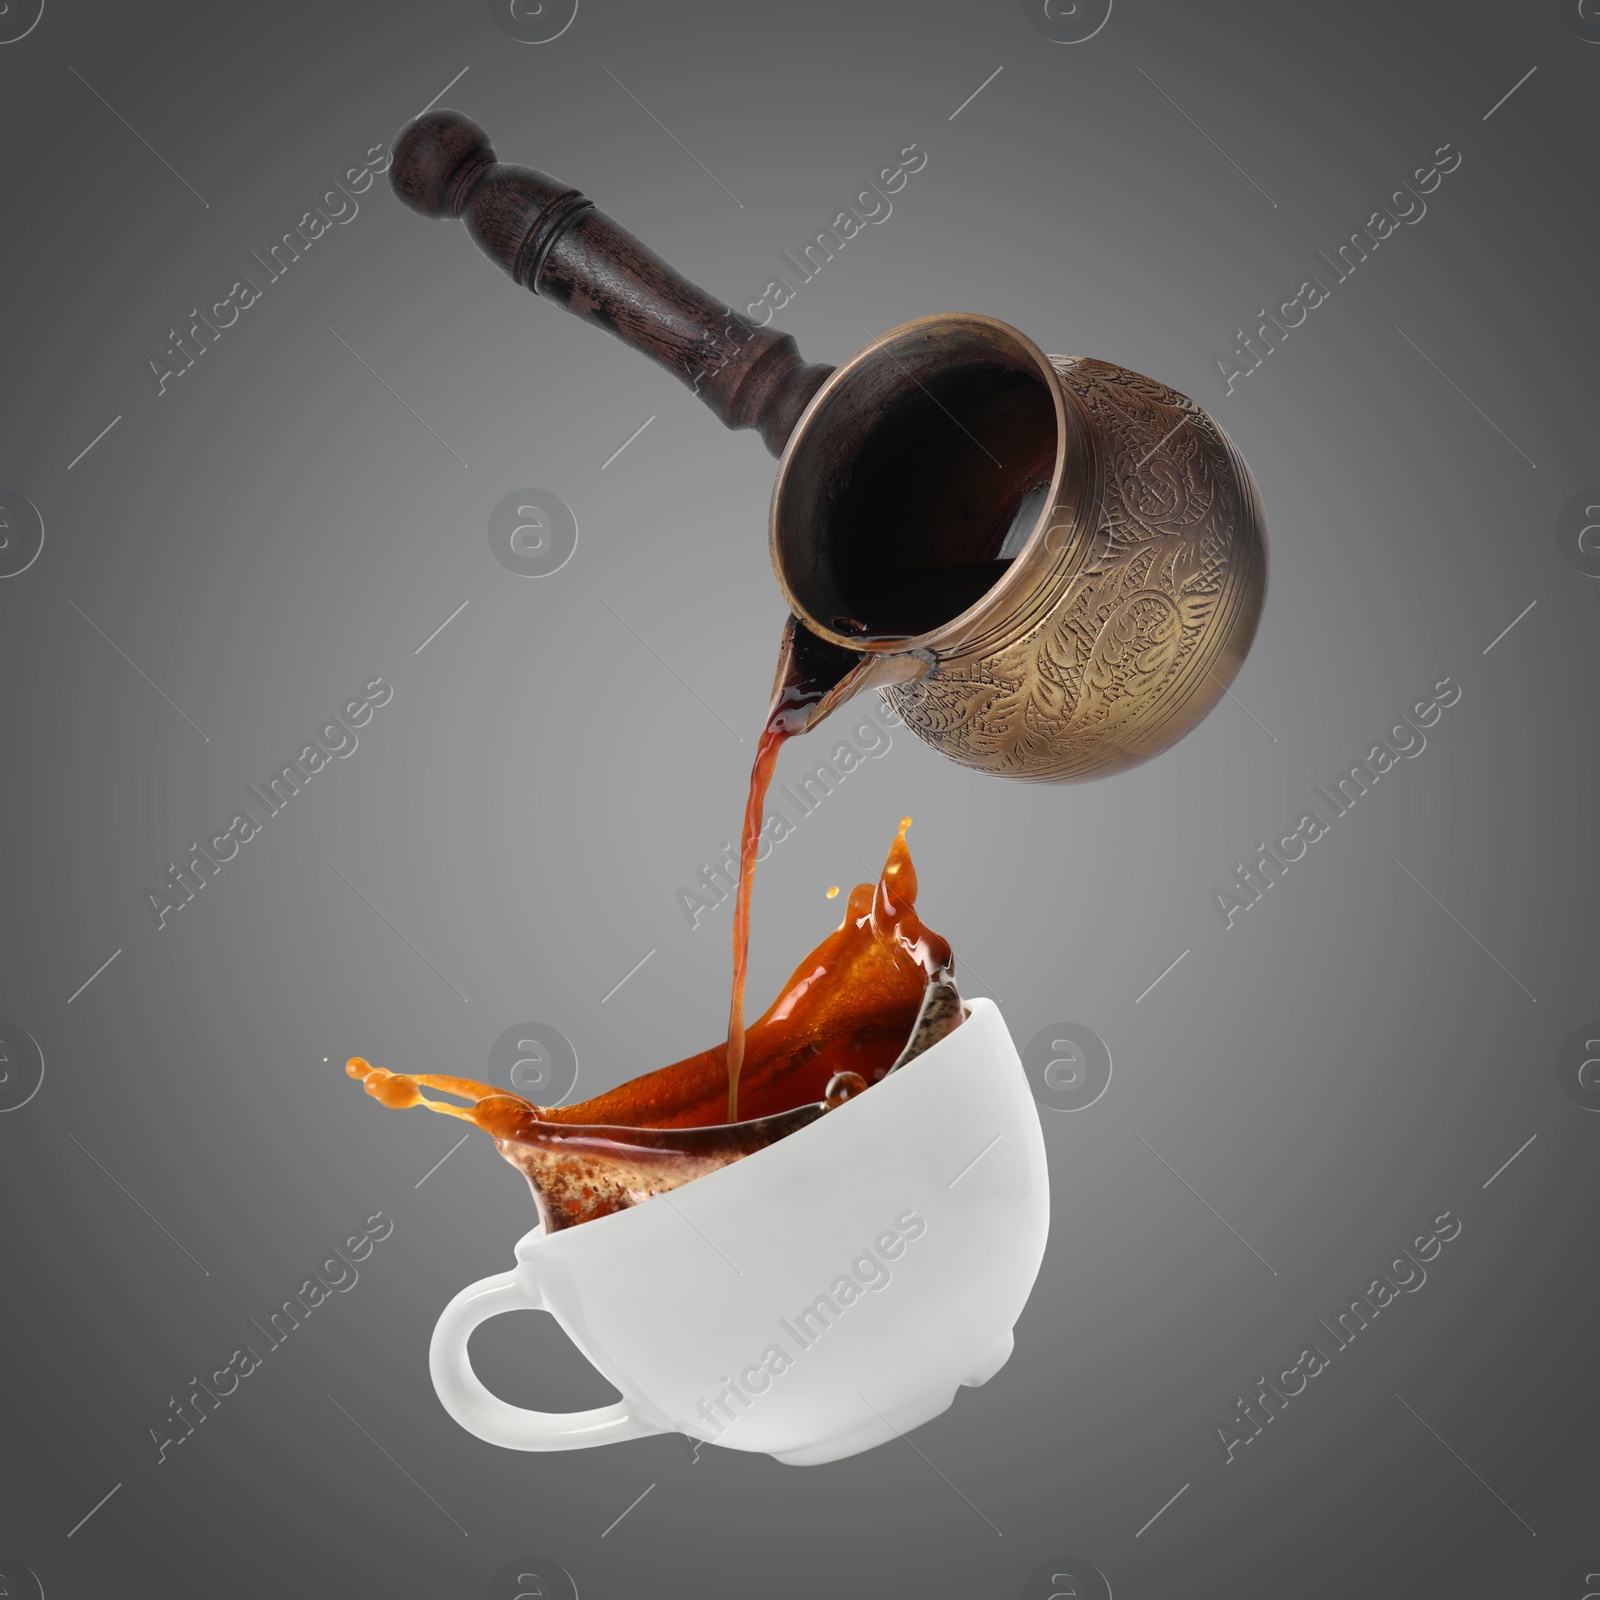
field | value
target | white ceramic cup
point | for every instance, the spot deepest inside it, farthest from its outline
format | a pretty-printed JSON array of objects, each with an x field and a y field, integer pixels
[{"x": 813, "y": 1300}]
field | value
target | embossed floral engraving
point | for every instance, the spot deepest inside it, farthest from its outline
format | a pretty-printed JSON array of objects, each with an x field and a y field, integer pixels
[{"x": 1134, "y": 633}]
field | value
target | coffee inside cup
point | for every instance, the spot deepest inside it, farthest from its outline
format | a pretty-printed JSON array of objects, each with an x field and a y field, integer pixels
[{"x": 872, "y": 996}]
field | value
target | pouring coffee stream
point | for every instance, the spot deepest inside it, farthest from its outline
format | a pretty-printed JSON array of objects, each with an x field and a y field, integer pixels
[
  {"x": 1050, "y": 566},
  {"x": 810, "y": 681}
]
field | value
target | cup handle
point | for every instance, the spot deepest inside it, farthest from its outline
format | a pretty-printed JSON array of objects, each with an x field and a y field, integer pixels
[{"x": 486, "y": 1415}]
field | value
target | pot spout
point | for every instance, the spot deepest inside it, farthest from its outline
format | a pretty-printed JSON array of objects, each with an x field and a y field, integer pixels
[{"x": 815, "y": 677}]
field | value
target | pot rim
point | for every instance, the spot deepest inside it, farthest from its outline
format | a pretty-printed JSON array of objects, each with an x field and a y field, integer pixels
[{"x": 1020, "y": 577}]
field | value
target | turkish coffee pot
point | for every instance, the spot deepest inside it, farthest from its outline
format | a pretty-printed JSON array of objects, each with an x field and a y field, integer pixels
[{"x": 1051, "y": 567}]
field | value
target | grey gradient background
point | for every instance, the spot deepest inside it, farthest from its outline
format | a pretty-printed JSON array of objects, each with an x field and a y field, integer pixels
[{"x": 1344, "y": 1063}]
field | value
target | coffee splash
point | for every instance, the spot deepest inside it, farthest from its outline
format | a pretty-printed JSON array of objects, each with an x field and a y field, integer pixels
[{"x": 874, "y": 994}]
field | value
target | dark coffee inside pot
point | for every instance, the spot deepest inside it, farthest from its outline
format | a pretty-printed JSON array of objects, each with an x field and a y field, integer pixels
[{"x": 913, "y": 488}]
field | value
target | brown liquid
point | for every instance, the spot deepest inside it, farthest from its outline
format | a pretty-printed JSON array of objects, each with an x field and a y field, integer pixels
[
  {"x": 810, "y": 671},
  {"x": 785, "y": 718},
  {"x": 847, "y": 1012}
]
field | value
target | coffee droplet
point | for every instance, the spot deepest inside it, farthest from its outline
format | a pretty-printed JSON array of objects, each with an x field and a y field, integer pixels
[
  {"x": 843, "y": 1086},
  {"x": 892, "y": 868},
  {"x": 833, "y": 893}
]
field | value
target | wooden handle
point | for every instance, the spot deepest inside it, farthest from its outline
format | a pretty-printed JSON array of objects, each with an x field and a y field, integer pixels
[{"x": 554, "y": 241}]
